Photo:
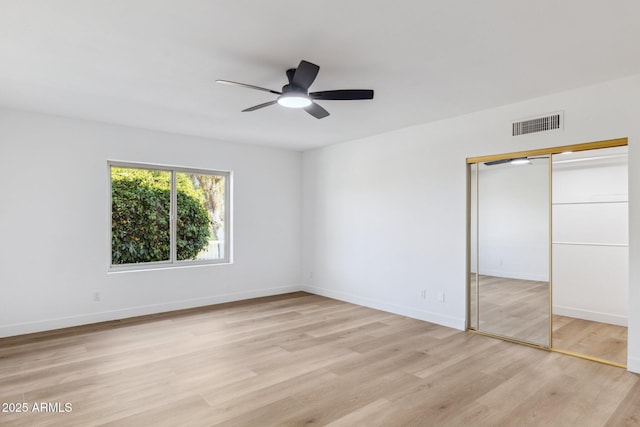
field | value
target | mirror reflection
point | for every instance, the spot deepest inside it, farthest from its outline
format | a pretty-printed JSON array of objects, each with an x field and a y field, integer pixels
[
  {"x": 513, "y": 249},
  {"x": 591, "y": 253},
  {"x": 564, "y": 214}
]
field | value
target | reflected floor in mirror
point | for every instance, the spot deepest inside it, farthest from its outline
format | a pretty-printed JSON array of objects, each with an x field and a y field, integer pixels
[
  {"x": 595, "y": 339},
  {"x": 520, "y": 308},
  {"x": 515, "y": 308}
]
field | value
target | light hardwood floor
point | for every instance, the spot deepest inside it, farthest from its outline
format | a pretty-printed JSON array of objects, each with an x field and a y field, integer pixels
[
  {"x": 515, "y": 308},
  {"x": 302, "y": 359},
  {"x": 595, "y": 339},
  {"x": 520, "y": 309}
]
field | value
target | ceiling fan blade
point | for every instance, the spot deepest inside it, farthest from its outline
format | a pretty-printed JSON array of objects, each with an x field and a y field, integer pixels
[
  {"x": 228, "y": 82},
  {"x": 257, "y": 107},
  {"x": 343, "y": 95},
  {"x": 316, "y": 111},
  {"x": 305, "y": 75}
]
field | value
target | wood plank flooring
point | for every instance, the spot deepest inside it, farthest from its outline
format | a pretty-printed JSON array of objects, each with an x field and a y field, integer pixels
[
  {"x": 520, "y": 309},
  {"x": 596, "y": 339},
  {"x": 515, "y": 308},
  {"x": 301, "y": 359}
]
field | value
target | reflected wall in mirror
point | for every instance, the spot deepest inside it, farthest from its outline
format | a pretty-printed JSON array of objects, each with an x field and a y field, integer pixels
[
  {"x": 590, "y": 253},
  {"x": 513, "y": 249}
]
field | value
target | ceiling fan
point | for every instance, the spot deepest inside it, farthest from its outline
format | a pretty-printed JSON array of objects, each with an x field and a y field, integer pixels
[{"x": 296, "y": 93}]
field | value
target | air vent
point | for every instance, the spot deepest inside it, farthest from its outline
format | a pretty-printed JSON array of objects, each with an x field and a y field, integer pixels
[{"x": 539, "y": 124}]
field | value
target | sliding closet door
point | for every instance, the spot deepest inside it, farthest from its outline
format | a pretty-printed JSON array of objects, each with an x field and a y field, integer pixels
[
  {"x": 552, "y": 219},
  {"x": 513, "y": 229},
  {"x": 590, "y": 253},
  {"x": 473, "y": 247}
]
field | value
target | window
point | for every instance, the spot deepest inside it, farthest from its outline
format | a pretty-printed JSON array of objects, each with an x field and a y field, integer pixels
[{"x": 164, "y": 216}]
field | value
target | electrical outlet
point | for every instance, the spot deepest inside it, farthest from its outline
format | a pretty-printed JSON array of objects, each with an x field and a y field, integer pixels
[{"x": 97, "y": 296}]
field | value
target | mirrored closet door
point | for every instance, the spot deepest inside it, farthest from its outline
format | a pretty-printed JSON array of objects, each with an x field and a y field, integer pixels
[
  {"x": 511, "y": 222},
  {"x": 548, "y": 248},
  {"x": 591, "y": 253}
]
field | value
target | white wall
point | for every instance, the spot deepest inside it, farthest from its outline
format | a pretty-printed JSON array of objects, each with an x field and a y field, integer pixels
[
  {"x": 514, "y": 220},
  {"x": 385, "y": 217},
  {"x": 590, "y": 212},
  {"x": 55, "y": 232}
]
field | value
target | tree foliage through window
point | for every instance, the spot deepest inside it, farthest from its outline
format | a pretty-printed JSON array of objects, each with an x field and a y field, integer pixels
[{"x": 141, "y": 215}]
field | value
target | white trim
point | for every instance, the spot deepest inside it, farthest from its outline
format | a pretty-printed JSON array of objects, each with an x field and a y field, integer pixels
[
  {"x": 427, "y": 316},
  {"x": 86, "y": 319},
  {"x": 513, "y": 275},
  {"x": 173, "y": 221},
  {"x": 633, "y": 364},
  {"x": 594, "y": 316},
  {"x": 172, "y": 262},
  {"x": 228, "y": 217}
]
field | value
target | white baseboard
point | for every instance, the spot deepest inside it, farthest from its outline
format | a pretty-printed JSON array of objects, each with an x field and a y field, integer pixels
[
  {"x": 633, "y": 364},
  {"x": 427, "y": 316},
  {"x": 594, "y": 316},
  {"x": 515, "y": 275},
  {"x": 85, "y": 319}
]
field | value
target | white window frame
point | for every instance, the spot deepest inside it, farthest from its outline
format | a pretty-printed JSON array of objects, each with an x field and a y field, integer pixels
[{"x": 173, "y": 262}]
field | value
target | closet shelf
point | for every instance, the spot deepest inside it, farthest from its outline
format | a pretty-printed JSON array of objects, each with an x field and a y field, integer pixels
[
  {"x": 617, "y": 245},
  {"x": 591, "y": 202}
]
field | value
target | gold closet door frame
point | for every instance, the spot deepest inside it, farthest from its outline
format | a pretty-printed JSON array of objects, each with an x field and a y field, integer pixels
[{"x": 608, "y": 143}]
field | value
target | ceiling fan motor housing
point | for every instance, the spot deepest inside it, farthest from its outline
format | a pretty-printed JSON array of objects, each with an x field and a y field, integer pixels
[{"x": 290, "y": 88}]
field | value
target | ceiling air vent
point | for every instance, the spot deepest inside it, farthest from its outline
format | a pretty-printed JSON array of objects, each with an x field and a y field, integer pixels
[{"x": 538, "y": 124}]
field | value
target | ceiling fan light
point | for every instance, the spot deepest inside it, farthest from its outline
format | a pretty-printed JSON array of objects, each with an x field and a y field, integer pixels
[{"x": 294, "y": 101}]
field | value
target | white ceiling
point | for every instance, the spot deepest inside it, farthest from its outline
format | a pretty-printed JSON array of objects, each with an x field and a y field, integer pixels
[{"x": 152, "y": 63}]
